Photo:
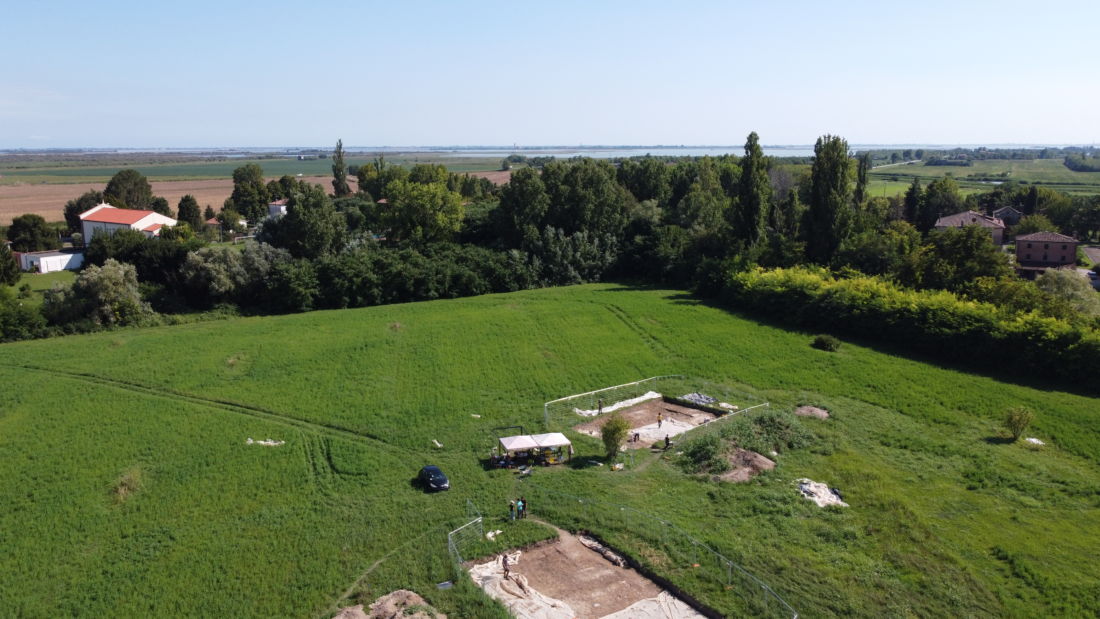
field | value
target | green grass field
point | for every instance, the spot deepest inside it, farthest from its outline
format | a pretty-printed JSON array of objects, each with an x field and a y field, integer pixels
[
  {"x": 1048, "y": 172},
  {"x": 198, "y": 170},
  {"x": 39, "y": 283},
  {"x": 129, "y": 490}
]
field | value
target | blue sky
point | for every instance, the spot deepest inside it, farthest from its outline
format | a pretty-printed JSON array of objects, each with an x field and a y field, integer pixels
[{"x": 193, "y": 74}]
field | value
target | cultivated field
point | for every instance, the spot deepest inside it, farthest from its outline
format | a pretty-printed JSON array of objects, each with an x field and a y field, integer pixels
[
  {"x": 1050, "y": 172},
  {"x": 129, "y": 489},
  {"x": 48, "y": 200}
]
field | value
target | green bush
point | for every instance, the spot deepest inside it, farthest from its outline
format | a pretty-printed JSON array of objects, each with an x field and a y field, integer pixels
[
  {"x": 1017, "y": 419},
  {"x": 765, "y": 432},
  {"x": 826, "y": 342},
  {"x": 933, "y": 322},
  {"x": 705, "y": 454}
]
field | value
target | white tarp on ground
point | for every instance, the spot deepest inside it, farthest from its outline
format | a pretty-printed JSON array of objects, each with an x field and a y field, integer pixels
[
  {"x": 521, "y": 442},
  {"x": 553, "y": 439},
  {"x": 819, "y": 493},
  {"x": 649, "y": 395},
  {"x": 664, "y": 606},
  {"x": 522, "y": 601}
]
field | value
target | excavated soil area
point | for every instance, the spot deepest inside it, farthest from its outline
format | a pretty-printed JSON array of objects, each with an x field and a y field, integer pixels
[{"x": 643, "y": 420}]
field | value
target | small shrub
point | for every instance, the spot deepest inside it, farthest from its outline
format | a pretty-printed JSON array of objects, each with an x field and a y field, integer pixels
[
  {"x": 1017, "y": 419},
  {"x": 826, "y": 342},
  {"x": 705, "y": 454},
  {"x": 613, "y": 434}
]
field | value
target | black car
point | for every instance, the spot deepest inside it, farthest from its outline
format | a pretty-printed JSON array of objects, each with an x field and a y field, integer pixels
[{"x": 433, "y": 478}]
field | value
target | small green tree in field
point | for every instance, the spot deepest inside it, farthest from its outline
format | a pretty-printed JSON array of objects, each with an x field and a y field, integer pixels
[
  {"x": 613, "y": 434},
  {"x": 1017, "y": 419}
]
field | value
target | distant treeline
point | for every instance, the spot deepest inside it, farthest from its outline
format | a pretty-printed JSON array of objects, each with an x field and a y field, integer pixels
[
  {"x": 880, "y": 156},
  {"x": 937, "y": 161},
  {"x": 410, "y": 234},
  {"x": 1082, "y": 163}
]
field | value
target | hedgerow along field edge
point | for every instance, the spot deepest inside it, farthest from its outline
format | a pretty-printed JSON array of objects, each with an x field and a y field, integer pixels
[{"x": 943, "y": 519}]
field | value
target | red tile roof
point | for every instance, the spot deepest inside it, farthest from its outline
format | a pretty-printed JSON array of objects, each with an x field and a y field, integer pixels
[
  {"x": 154, "y": 228},
  {"x": 118, "y": 216},
  {"x": 1049, "y": 237}
]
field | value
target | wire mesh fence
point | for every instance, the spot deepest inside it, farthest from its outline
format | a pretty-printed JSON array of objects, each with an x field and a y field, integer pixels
[
  {"x": 465, "y": 537},
  {"x": 569, "y": 411},
  {"x": 662, "y": 548}
]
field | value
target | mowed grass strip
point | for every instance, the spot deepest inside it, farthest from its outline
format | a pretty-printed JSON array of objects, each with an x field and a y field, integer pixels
[{"x": 945, "y": 517}]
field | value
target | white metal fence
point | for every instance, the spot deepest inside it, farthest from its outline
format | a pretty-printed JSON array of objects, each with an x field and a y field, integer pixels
[{"x": 562, "y": 412}]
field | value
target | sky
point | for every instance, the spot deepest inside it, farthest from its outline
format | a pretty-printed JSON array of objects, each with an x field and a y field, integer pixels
[{"x": 221, "y": 74}]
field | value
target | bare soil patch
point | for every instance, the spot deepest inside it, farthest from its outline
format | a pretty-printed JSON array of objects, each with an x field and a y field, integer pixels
[
  {"x": 811, "y": 411},
  {"x": 48, "y": 200},
  {"x": 497, "y": 177},
  {"x": 567, "y": 571},
  {"x": 745, "y": 465},
  {"x": 400, "y": 604},
  {"x": 642, "y": 418}
]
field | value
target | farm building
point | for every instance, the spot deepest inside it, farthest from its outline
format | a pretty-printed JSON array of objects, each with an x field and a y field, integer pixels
[
  {"x": 50, "y": 261},
  {"x": 277, "y": 208},
  {"x": 1039, "y": 251},
  {"x": 1008, "y": 215},
  {"x": 105, "y": 218},
  {"x": 995, "y": 226}
]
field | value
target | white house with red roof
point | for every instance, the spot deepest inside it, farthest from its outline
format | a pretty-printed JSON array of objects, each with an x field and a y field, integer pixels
[{"x": 105, "y": 218}]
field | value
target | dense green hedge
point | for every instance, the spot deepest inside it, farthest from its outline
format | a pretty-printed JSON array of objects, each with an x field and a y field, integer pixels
[{"x": 934, "y": 322}]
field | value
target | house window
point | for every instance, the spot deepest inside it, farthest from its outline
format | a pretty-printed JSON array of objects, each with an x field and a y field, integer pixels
[
  {"x": 1063, "y": 247},
  {"x": 1027, "y": 256},
  {"x": 1046, "y": 245},
  {"x": 1029, "y": 245}
]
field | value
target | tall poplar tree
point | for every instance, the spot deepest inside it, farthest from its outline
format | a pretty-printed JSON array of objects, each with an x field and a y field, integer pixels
[
  {"x": 340, "y": 187},
  {"x": 750, "y": 215},
  {"x": 913, "y": 197},
  {"x": 863, "y": 167},
  {"x": 830, "y": 198}
]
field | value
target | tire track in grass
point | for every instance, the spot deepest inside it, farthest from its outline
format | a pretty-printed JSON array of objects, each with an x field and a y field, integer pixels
[
  {"x": 226, "y": 405},
  {"x": 648, "y": 338}
]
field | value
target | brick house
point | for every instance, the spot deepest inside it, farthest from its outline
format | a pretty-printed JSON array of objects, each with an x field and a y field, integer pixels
[{"x": 1039, "y": 251}]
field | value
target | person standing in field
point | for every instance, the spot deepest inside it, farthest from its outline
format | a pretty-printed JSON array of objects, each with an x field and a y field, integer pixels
[
  {"x": 512, "y": 510},
  {"x": 660, "y": 419},
  {"x": 523, "y": 508},
  {"x": 519, "y": 508},
  {"x": 600, "y": 409},
  {"x": 666, "y": 441},
  {"x": 506, "y": 564}
]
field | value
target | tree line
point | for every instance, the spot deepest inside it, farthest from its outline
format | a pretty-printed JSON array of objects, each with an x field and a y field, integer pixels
[{"x": 422, "y": 232}]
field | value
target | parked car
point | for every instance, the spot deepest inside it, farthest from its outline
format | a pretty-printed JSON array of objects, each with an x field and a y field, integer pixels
[{"x": 433, "y": 478}]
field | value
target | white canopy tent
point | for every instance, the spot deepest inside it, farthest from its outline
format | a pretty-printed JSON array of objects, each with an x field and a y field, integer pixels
[
  {"x": 553, "y": 439},
  {"x": 550, "y": 448},
  {"x": 522, "y": 442}
]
